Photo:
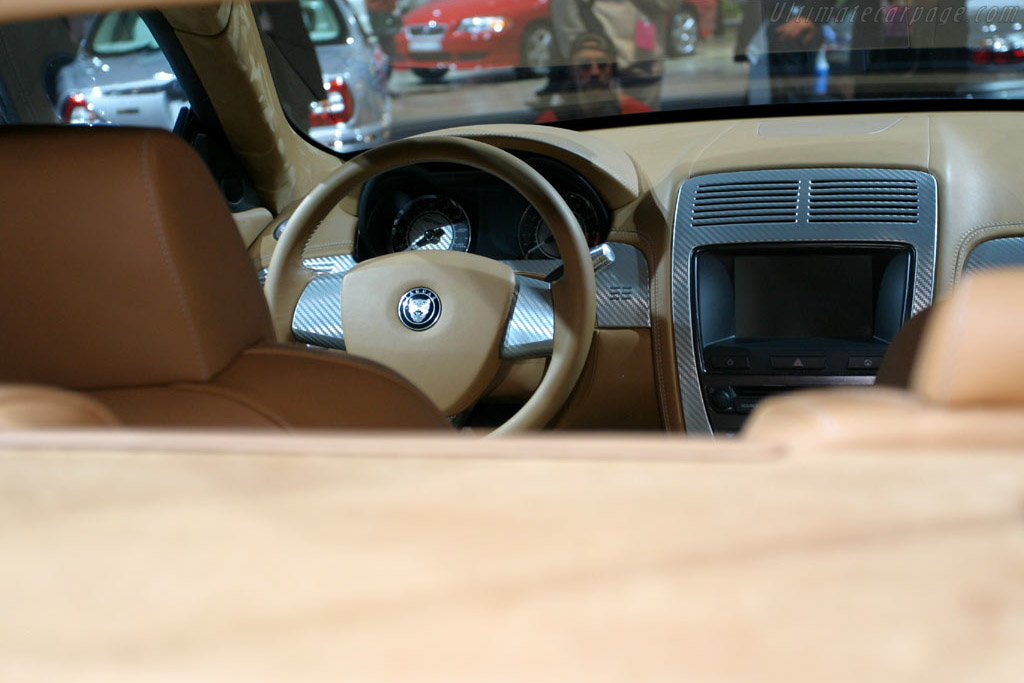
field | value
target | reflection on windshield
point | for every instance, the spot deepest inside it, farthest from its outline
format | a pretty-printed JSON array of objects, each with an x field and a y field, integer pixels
[
  {"x": 354, "y": 73},
  {"x": 473, "y": 61}
]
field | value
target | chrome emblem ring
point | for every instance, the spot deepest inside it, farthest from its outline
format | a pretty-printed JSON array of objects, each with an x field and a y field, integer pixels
[{"x": 419, "y": 309}]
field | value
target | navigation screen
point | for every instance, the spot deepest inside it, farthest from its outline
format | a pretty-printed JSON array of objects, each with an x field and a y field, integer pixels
[{"x": 811, "y": 295}]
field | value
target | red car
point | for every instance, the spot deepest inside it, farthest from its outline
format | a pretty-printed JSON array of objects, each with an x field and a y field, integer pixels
[{"x": 487, "y": 34}]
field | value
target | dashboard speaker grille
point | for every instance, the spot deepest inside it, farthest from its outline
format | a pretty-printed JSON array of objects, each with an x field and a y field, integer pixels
[
  {"x": 863, "y": 201},
  {"x": 746, "y": 203}
]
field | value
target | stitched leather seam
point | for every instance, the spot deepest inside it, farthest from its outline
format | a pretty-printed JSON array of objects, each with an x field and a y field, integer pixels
[
  {"x": 346, "y": 362},
  {"x": 235, "y": 397},
  {"x": 968, "y": 238},
  {"x": 575, "y": 150},
  {"x": 161, "y": 236}
]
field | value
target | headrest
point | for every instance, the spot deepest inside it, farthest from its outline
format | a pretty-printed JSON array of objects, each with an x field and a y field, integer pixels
[
  {"x": 120, "y": 265},
  {"x": 972, "y": 350}
]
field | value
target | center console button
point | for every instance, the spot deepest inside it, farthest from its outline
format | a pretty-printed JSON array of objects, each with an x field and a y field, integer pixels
[
  {"x": 798, "y": 362},
  {"x": 730, "y": 362},
  {"x": 864, "y": 362},
  {"x": 721, "y": 399}
]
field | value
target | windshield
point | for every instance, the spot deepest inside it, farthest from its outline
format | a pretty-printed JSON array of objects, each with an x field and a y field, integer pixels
[{"x": 428, "y": 64}]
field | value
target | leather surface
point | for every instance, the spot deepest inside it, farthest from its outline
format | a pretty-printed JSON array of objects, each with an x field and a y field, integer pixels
[
  {"x": 309, "y": 389},
  {"x": 281, "y": 387},
  {"x": 606, "y": 165},
  {"x": 156, "y": 557},
  {"x": 614, "y": 391},
  {"x": 454, "y": 361},
  {"x": 971, "y": 351},
  {"x": 26, "y": 406},
  {"x": 152, "y": 303},
  {"x": 130, "y": 252},
  {"x": 881, "y": 417},
  {"x": 223, "y": 43}
]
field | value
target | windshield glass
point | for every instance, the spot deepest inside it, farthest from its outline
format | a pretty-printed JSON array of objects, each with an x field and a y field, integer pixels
[
  {"x": 427, "y": 64},
  {"x": 120, "y": 33}
]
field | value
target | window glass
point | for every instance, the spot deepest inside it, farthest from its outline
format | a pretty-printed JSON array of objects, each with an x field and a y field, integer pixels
[
  {"x": 120, "y": 33},
  {"x": 323, "y": 22},
  {"x": 464, "y": 62},
  {"x": 331, "y": 78},
  {"x": 105, "y": 69}
]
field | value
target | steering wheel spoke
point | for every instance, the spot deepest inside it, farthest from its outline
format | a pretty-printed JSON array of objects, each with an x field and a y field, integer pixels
[
  {"x": 530, "y": 332},
  {"x": 317, "y": 318}
]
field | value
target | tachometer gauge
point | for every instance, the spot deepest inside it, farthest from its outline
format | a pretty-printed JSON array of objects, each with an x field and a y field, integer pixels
[
  {"x": 535, "y": 238},
  {"x": 431, "y": 222}
]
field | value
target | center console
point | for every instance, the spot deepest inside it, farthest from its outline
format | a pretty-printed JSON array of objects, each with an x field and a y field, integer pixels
[{"x": 793, "y": 278}]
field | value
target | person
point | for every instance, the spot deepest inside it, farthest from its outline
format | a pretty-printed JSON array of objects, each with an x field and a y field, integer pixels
[
  {"x": 781, "y": 40},
  {"x": 567, "y": 24},
  {"x": 636, "y": 30},
  {"x": 384, "y": 25},
  {"x": 594, "y": 89}
]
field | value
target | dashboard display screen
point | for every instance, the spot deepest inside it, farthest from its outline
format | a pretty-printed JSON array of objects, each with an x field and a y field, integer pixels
[{"x": 812, "y": 295}]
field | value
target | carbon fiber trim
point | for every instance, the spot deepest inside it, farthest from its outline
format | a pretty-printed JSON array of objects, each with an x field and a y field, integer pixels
[
  {"x": 623, "y": 300},
  {"x": 919, "y": 235},
  {"x": 1002, "y": 252},
  {"x": 317, "y": 318},
  {"x": 623, "y": 288},
  {"x": 531, "y": 327}
]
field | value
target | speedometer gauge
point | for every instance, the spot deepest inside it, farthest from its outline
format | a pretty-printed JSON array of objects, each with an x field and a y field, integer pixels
[
  {"x": 535, "y": 238},
  {"x": 431, "y": 222}
]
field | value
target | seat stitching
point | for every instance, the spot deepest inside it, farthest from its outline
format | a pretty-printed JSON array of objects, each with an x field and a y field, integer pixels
[
  {"x": 349, "y": 361},
  {"x": 971, "y": 239},
  {"x": 341, "y": 361},
  {"x": 161, "y": 236},
  {"x": 238, "y": 398}
]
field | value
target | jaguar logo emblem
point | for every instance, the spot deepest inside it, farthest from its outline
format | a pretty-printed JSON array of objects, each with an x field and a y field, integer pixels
[{"x": 419, "y": 309}]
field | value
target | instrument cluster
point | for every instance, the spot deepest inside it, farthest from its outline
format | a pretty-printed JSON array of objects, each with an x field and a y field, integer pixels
[{"x": 454, "y": 207}]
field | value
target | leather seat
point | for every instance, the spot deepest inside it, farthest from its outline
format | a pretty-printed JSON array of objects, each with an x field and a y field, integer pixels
[
  {"x": 124, "y": 278},
  {"x": 28, "y": 406},
  {"x": 964, "y": 381}
]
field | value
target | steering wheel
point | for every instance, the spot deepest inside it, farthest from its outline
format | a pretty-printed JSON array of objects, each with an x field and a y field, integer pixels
[{"x": 440, "y": 318}]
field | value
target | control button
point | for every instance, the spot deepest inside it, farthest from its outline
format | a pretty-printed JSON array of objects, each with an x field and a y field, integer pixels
[
  {"x": 721, "y": 399},
  {"x": 730, "y": 362},
  {"x": 798, "y": 362},
  {"x": 864, "y": 362}
]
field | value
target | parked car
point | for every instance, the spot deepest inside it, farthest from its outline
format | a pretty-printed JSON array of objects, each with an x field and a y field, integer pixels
[
  {"x": 442, "y": 35},
  {"x": 996, "y": 36},
  {"x": 120, "y": 76}
]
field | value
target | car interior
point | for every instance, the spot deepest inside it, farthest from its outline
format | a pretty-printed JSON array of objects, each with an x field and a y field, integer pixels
[{"x": 755, "y": 376}]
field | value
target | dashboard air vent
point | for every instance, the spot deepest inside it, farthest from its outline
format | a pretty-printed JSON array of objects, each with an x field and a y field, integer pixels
[
  {"x": 743, "y": 203},
  {"x": 863, "y": 201}
]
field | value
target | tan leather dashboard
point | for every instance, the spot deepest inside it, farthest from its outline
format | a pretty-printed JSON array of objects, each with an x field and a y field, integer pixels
[
  {"x": 638, "y": 171},
  {"x": 971, "y": 155}
]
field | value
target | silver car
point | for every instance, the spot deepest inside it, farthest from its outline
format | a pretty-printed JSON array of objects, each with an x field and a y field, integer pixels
[{"x": 120, "y": 76}]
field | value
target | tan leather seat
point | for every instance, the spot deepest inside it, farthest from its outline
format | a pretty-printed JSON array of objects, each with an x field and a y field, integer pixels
[
  {"x": 123, "y": 277},
  {"x": 30, "y": 406},
  {"x": 965, "y": 385}
]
